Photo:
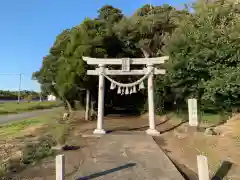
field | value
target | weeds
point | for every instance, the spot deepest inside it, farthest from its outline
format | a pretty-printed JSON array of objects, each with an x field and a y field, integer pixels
[
  {"x": 34, "y": 152},
  {"x": 62, "y": 130},
  {"x": 43, "y": 147},
  {"x": 10, "y": 107},
  {"x": 31, "y": 153}
]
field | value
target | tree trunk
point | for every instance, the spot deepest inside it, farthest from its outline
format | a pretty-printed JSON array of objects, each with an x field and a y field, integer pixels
[
  {"x": 145, "y": 53},
  {"x": 69, "y": 106}
]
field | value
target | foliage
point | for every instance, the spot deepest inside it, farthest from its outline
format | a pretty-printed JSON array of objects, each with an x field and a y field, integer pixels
[
  {"x": 203, "y": 46},
  {"x": 61, "y": 132},
  {"x": 32, "y": 149},
  {"x": 111, "y": 34},
  {"x": 12, "y": 107},
  {"x": 28, "y": 98},
  {"x": 36, "y": 151},
  {"x": 32, "y": 153},
  {"x": 204, "y": 53},
  {"x": 13, "y": 95}
]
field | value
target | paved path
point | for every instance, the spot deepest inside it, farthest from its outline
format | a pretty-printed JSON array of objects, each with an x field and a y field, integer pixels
[
  {"x": 128, "y": 157},
  {"x": 21, "y": 116}
]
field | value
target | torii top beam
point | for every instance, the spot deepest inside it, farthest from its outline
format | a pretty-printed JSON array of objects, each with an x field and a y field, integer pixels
[{"x": 118, "y": 61}]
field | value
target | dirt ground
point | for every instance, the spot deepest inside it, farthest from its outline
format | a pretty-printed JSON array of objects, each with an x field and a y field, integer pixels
[{"x": 181, "y": 143}]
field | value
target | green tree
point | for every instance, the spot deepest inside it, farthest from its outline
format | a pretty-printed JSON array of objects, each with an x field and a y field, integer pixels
[
  {"x": 64, "y": 72},
  {"x": 109, "y": 35},
  {"x": 204, "y": 53}
]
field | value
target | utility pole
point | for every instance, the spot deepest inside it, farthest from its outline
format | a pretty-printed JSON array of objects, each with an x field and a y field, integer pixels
[
  {"x": 40, "y": 96},
  {"x": 19, "y": 87}
]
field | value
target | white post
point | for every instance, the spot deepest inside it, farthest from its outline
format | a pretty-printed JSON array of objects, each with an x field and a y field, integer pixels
[
  {"x": 87, "y": 104},
  {"x": 19, "y": 87},
  {"x": 100, "y": 129},
  {"x": 91, "y": 111},
  {"x": 203, "y": 173},
  {"x": 40, "y": 96},
  {"x": 192, "y": 112},
  {"x": 151, "y": 111},
  {"x": 60, "y": 167}
]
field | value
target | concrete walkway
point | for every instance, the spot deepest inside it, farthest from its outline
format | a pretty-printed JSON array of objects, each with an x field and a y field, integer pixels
[
  {"x": 128, "y": 157},
  {"x": 24, "y": 115}
]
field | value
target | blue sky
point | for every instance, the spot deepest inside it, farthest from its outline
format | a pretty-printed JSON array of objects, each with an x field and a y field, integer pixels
[{"x": 29, "y": 27}]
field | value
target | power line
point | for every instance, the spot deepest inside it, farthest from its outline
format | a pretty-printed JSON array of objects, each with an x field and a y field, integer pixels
[
  {"x": 19, "y": 87},
  {"x": 10, "y": 74},
  {"x": 15, "y": 74}
]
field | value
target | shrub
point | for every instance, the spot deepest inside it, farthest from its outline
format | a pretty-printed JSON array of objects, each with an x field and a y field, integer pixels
[
  {"x": 32, "y": 152},
  {"x": 61, "y": 132},
  {"x": 28, "y": 98},
  {"x": 36, "y": 151},
  {"x": 3, "y": 169}
]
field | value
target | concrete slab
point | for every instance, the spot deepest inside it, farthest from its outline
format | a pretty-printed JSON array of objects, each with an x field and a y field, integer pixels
[{"x": 126, "y": 157}]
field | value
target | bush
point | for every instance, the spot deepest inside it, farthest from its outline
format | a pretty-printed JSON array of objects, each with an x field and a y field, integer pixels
[
  {"x": 39, "y": 106},
  {"x": 3, "y": 169},
  {"x": 14, "y": 165},
  {"x": 28, "y": 98},
  {"x": 37, "y": 151},
  {"x": 32, "y": 152},
  {"x": 61, "y": 132}
]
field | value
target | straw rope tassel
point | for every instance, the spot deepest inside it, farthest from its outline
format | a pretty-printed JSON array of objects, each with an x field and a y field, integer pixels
[
  {"x": 126, "y": 91},
  {"x": 119, "y": 90},
  {"x": 141, "y": 86},
  {"x": 134, "y": 89},
  {"x": 113, "y": 86},
  {"x": 122, "y": 93},
  {"x": 131, "y": 90}
]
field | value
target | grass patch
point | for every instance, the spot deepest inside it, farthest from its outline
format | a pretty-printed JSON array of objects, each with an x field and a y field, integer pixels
[
  {"x": 211, "y": 118},
  {"x": 204, "y": 118},
  {"x": 32, "y": 150},
  {"x": 14, "y": 107},
  {"x": 15, "y": 129}
]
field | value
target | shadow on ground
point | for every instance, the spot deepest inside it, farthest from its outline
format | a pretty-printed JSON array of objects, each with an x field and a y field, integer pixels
[
  {"x": 71, "y": 148},
  {"x": 185, "y": 171},
  {"x": 122, "y": 112},
  {"x": 103, "y": 173},
  {"x": 222, "y": 171},
  {"x": 141, "y": 128},
  {"x": 173, "y": 127}
]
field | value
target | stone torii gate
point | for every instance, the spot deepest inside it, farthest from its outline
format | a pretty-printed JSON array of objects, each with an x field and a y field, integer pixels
[{"x": 104, "y": 72}]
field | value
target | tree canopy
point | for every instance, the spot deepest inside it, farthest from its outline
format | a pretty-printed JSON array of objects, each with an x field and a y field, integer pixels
[
  {"x": 13, "y": 95},
  {"x": 204, "y": 53},
  {"x": 203, "y": 46}
]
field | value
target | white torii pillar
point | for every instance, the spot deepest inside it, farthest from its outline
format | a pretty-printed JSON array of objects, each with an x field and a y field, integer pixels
[
  {"x": 99, "y": 129},
  {"x": 151, "y": 109}
]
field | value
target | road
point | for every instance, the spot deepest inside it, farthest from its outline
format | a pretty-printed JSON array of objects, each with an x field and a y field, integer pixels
[{"x": 24, "y": 115}]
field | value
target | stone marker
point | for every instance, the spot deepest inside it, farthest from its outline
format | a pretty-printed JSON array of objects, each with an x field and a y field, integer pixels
[
  {"x": 202, "y": 163},
  {"x": 192, "y": 112}
]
